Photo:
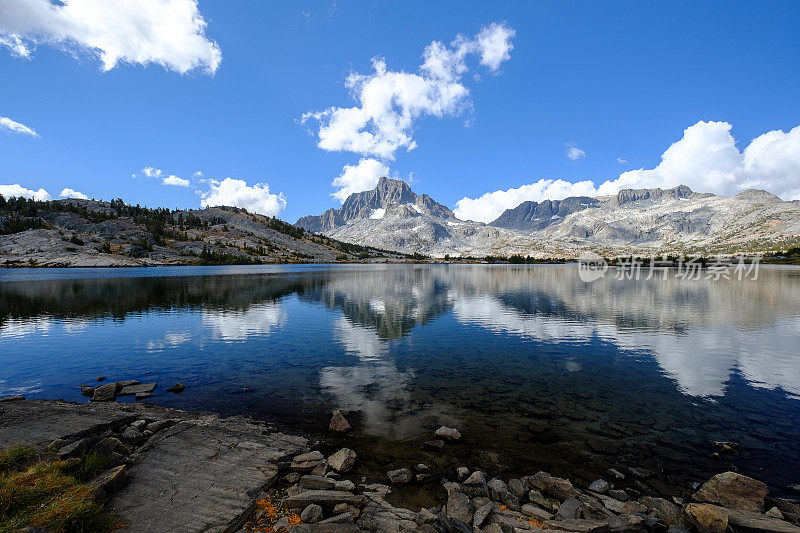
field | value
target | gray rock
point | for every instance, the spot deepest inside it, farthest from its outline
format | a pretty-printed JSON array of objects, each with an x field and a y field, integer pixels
[
  {"x": 322, "y": 471},
  {"x": 345, "y": 485},
  {"x": 794, "y": 488},
  {"x": 400, "y": 476},
  {"x": 740, "y": 520},
  {"x": 462, "y": 472},
  {"x": 108, "y": 483},
  {"x": 730, "y": 489},
  {"x": 17, "y": 398},
  {"x": 133, "y": 436},
  {"x": 775, "y": 513},
  {"x": 306, "y": 462},
  {"x": 641, "y": 473},
  {"x": 109, "y": 445},
  {"x": 87, "y": 390},
  {"x": 281, "y": 524},
  {"x": 600, "y": 486},
  {"x": 667, "y": 512},
  {"x": 497, "y": 489},
  {"x": 425, "y": 516},
  {"x": 77, "y": 448},
  {"x": 342, "y": 508},
  {"x": 475, "y": 485},
  {"x": 139, "y": 425},
  {"x": 317, "y": 483},
  {"x": 125, "y": 383},
  {"x": 482, "y": 512},
  {"x": 577, "y": 526},
  {"x": 339, "y": 423},
  {"x": 536, "y": 512},
  {"x": 517, "y": 488},
  {"x": 143, "y": 396},
  {"x": 324, "y": 498},
  {"x": 616, "y": 474},
  {"x": 422, "y": 468},
  {"x": 343, "y": 460},
  {"x": 446, "y": 433},
  {"x": 619, "y": 494},
  {"x": 627, "y": 523},
  {"x": 140, "y": 388},
  {"x": 458, "y": 504},
  {"x": 570, "y": 509},
  {"x": 158, "y": 425},
  {"x": 105, "y": 393}
]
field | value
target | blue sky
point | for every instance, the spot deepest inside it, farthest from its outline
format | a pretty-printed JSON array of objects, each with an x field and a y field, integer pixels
[{"x": 611, "y": 81}]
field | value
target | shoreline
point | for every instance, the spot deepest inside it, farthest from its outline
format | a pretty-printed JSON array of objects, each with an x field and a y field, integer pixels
[{"x": 180, "y": 446}]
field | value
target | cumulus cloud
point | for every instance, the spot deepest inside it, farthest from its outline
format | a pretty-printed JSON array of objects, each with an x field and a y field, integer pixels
[
  {"x": 574, "y": 153},
  {"x": 492, "y": 204},
  {"x": 360, "y": 177},
  {"x": 233, "y": 192},
  {"x": 16, "y": 127},
  {"x": 72, "y": 193},
  {"x": 152, "y": 172},
  {"x": 389, "y": 102},
  {"x": 175, "y": 180},
  {"x": 170, "y": 33},
  {"x": 706, "y": 159},
  {"x": 17, "y": 190}
]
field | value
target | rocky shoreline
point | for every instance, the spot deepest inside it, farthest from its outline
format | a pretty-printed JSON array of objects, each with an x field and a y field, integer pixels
[{"x": 171, "y": 470}]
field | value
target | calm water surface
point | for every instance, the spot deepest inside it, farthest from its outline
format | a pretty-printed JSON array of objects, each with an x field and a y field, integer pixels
[{"x": 538, "y": 369}]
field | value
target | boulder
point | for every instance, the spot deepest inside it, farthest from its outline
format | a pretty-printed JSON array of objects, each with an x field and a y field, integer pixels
[
  {"x": 339, "y": 423},
  {"x": 306, "y": 462},
  {"x": 570, "y": 509},
  {"x": 316, "y": 482},
  {"x": 619, "y": 494},
  {"x": 482, "y": 512},
  {"x": 730, "y": 489},
  {"x": 447, "y": 433},
  {"x": 535, "y": 511},
  {"x": 497, "y": 489},
  {"x": 323, "y": 498},
  {"x": 706, "y": 518},
  {"x": 667, "y": 512},
  {"x": 475, "y": 485},
  {"x": 462, "y": 472},
  {"x": 108, "y": 483},
  {"x": 628, "y": 523},
  {"x": 458, "y": 505},
  {"x": 600, "y": 486},
  {"x": 345, "y": 485},
  {"x": 559, "y": 488},
  {"x": 400, "y": 476},
  {"x": 87, "y": 390},
  {"x": 105, "y": 393},
  {"x": 138, "y": 388},
  {"x": 577, "y": 526},
  {"x": 343, "y": 460}
]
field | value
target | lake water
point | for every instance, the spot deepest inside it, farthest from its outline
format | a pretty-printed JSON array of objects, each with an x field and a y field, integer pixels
[{"x": 538, "y": 369}]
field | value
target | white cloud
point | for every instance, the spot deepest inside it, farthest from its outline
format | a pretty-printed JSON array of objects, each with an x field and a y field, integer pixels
[
  {"x": 198, "y": 174},
  {"x": 574, "y": 153},
  {"x": 152, "y": 172},
  {"x": 360, "y": 177},
  {"x": 233, "y": 192},
  {"x": 72, "y": 193},
  {"x": 621, "y": 161},
  {"x": 17, "y": 190},
  {"x": 706, "y": 159},
  {"x": 492, "y": 204},
  {"x": 170, "y": 33},
  {"x": 16, "y": 127},
  {"x": 175, "y": 180},
  {"x": 389, "y": 102}
]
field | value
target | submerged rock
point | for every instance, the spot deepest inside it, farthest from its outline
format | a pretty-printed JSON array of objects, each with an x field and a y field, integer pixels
[
  {"x": 400, "y": 476},
  {"x": 447, "y": 433},
  {"x": 339, "y": 423},
  {"x": 136, "y": 388},
  {"x": 433, "y": 445},
  {"x": 177, "y": 388}
]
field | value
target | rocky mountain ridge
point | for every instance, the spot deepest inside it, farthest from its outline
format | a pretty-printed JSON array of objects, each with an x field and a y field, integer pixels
[{"x": 634, "y": 221}]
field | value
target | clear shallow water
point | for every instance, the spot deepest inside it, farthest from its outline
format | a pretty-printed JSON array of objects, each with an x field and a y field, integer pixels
[{"x": 538, "y": 369}]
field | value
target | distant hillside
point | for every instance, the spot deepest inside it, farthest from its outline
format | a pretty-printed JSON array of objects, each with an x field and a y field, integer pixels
[{"x": 75, "y": 232}]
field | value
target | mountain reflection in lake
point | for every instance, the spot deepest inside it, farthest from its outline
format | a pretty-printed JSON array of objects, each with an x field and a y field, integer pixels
[{"x": 540, "y": 369}]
